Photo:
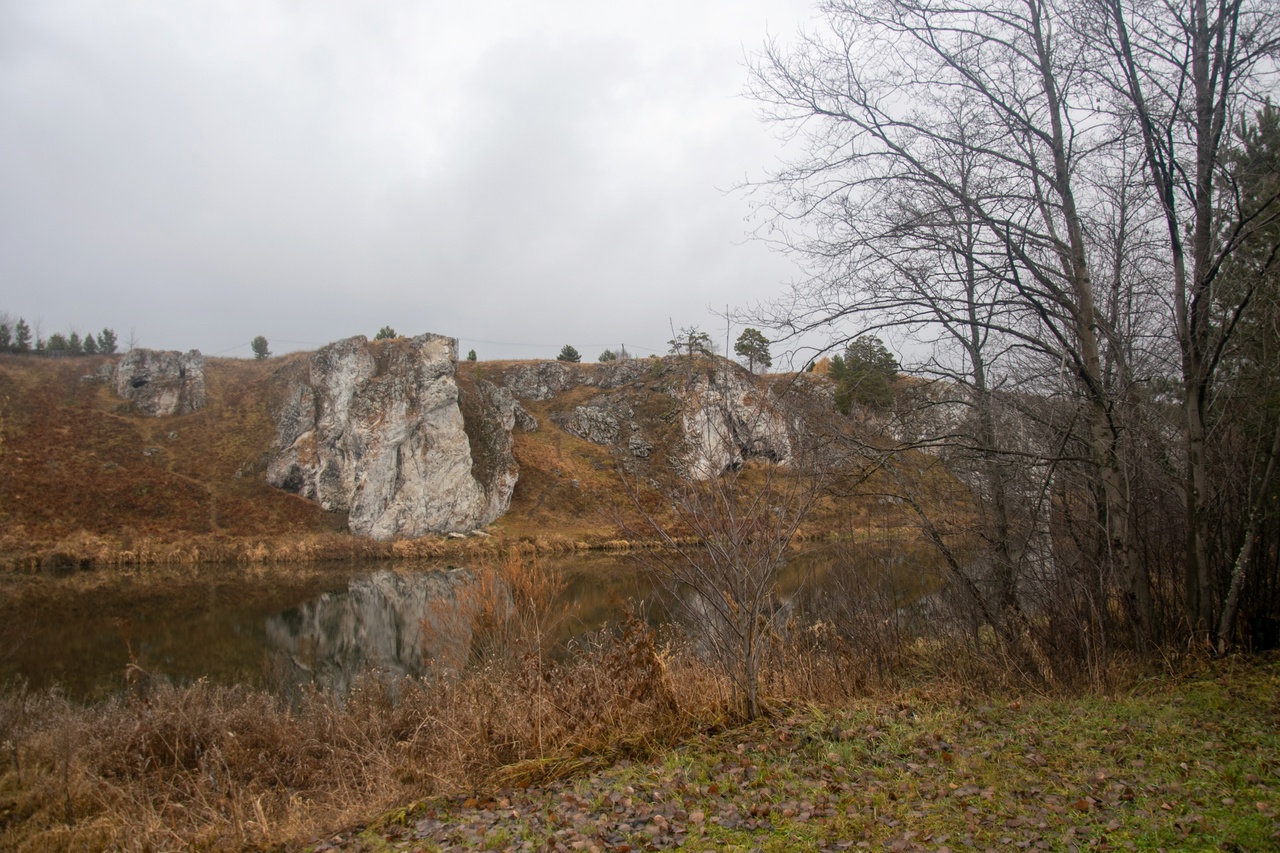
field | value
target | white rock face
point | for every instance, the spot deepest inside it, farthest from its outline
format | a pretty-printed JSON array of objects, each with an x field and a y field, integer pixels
[
  {"x": 730, "y": 417},
  {"x": 162, "y": 382},
  {"x": 727, "y": 414},
  {"x": 376, "y": 430}
]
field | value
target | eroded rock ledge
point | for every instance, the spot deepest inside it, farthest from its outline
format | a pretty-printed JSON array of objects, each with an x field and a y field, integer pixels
[{"x": 726, "y": 414}]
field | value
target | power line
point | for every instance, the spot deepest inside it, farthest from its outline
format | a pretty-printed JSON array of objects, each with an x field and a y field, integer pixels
[{"x": 548, "y": 346}]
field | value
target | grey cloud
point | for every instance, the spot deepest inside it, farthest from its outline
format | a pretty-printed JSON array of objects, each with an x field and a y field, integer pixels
[{"x": 308, "y": 172}]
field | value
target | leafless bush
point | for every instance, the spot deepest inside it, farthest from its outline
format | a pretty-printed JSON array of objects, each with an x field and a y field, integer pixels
[{"x": 724, "y": 574}]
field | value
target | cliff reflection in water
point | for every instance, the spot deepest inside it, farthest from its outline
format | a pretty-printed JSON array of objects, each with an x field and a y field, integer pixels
[{"x": 376, "y": 624}]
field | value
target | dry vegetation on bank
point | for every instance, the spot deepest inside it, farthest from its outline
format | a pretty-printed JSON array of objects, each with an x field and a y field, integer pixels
[
  {"x": 214, "y": 767},
  {"x": 165, "y": 767}
]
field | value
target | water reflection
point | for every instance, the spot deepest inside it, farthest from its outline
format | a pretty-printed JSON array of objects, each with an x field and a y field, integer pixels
[{"x": 375, "y": 624}]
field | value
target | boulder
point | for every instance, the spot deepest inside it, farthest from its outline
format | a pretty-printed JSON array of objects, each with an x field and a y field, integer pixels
[{"x": 160, "y": 383}]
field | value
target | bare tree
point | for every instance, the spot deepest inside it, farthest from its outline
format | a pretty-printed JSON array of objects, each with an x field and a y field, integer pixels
[
  {"x": 721, "y": 560},
  {"x": 1042, "y": 192},
  {"x": 1184, "y": 75},
  {"x": 965, "y": 118}
]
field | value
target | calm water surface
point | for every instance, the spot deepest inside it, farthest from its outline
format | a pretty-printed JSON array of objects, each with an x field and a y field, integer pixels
[
  {"x": 295, "y": 626},
  {"x": 278, "y": 628}
]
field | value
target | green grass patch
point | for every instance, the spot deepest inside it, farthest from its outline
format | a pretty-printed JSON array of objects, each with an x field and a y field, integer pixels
[{"x": 1187, "y": 763}]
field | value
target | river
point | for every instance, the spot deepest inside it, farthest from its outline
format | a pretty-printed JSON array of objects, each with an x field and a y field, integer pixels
[{"x": 287, "y": 627}]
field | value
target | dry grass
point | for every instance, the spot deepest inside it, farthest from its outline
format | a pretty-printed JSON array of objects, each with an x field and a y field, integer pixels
[
  {"x": 228, "y": 768},
  {"x": 168, "y": 767},
  {"x": 232, "y": 768}
]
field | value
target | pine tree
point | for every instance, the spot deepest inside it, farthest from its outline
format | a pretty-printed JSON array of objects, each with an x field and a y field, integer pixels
[
  {"x": 260, "y": 348},
  {"x": 692, "y": 341},
  {"x": 864, "y": 373},
  {"x": 107, "y": 341},
  {"x": 754, "y": 347},
  {"x": 568, "y": 353},
  {"x": 386, "y": 333},
  {"x": 21, "y": 336}
]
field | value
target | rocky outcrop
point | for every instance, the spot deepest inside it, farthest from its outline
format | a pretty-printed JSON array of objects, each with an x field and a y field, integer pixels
[
  {"x": 729, "y": 417},
  {"x": 390, "y": 434},
  {"x": 376, "y": 430},
  {"x": 542, "y": 380},
  {"x": 161, "y": 383},
  {"x": 726, "y": 414},
  {"x": 597, "y": 423},
  {"x": 489, "y": 416}
]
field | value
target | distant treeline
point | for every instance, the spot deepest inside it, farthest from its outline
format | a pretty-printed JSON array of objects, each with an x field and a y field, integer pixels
[{"x": 16, "y": 337}]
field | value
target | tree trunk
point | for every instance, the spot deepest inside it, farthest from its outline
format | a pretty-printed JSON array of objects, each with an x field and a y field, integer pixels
[{"x": 1232, "y": 602}]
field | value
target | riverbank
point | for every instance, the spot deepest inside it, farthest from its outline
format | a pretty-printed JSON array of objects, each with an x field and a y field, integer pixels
[
  {"x": 88, "y": 552},
  {"x": 628, "y": 747},
  {"x": 1186, "y": 761}
]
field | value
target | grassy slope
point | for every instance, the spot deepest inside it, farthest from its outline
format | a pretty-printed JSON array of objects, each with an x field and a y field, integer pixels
[
  {"x": 79, "y": 471},
  {"x": 1182, "y": 763}
]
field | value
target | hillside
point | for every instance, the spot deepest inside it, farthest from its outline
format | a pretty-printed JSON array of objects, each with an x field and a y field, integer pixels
[{"x": 86, "y": 479}]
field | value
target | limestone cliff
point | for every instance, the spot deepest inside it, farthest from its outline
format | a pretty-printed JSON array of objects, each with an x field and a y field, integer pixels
[
  {"x": 730, "y": 417},
  {"x": 387, "y": 432},
  {"x": 376, "y": 430}
]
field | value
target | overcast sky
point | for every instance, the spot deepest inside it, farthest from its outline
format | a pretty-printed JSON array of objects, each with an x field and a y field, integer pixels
[{"x": 518, "y": 175}]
